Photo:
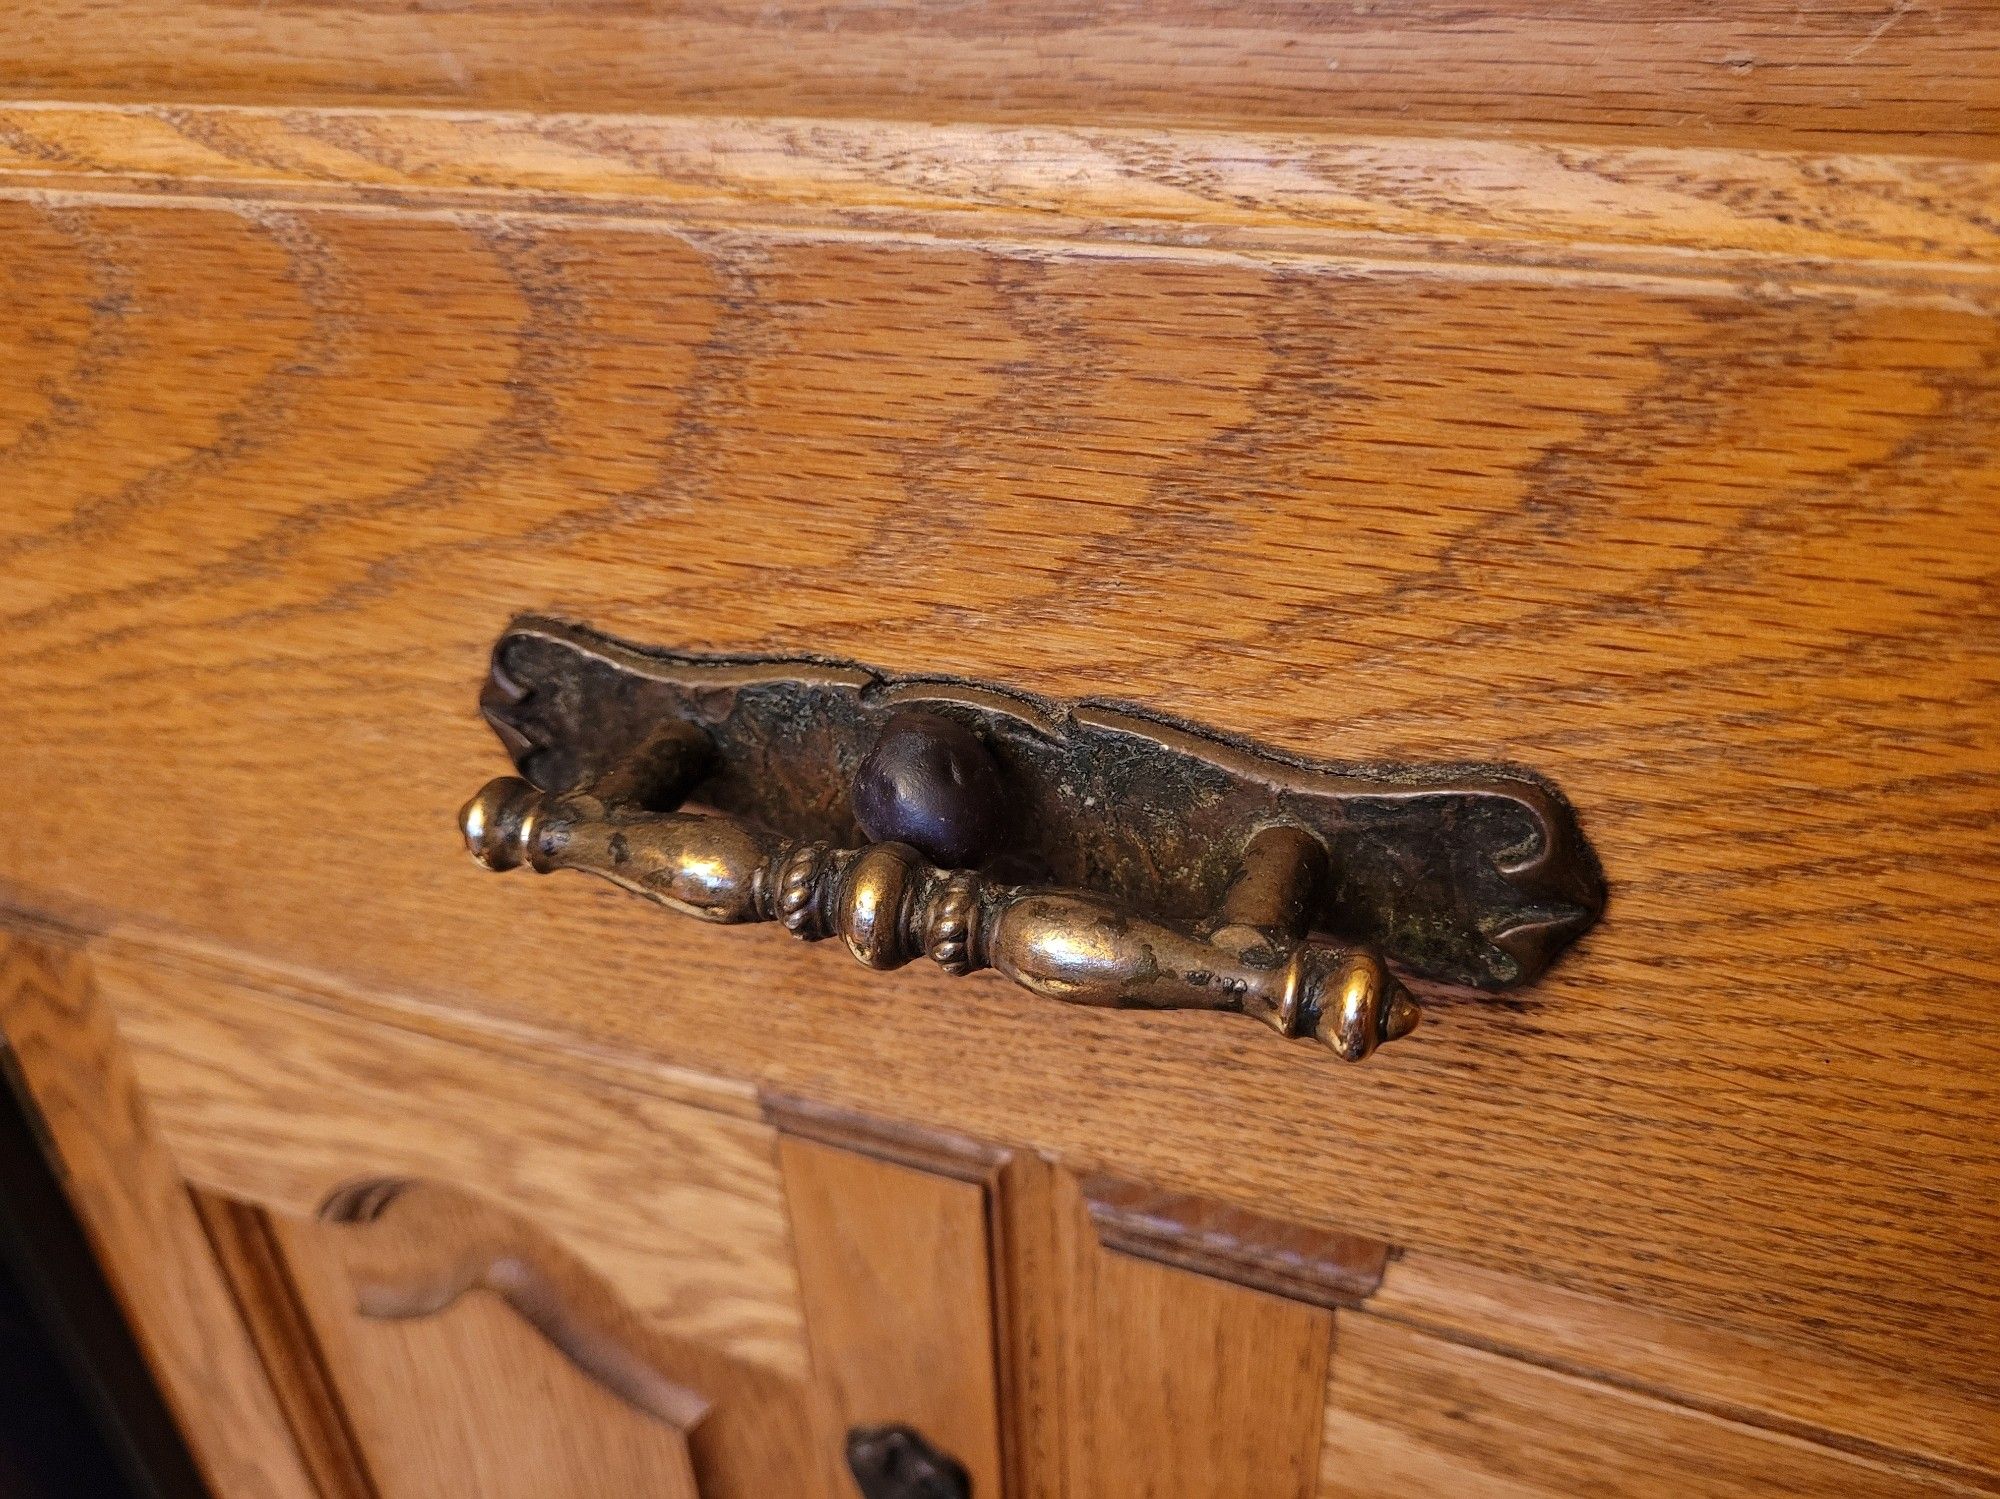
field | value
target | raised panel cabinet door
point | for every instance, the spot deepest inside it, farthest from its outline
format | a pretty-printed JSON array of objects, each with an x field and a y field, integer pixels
[
  {"x": 438, "y": 1384},
  {"x": 396, "y": 1333},
  {"x": 467, "y": 1353}
]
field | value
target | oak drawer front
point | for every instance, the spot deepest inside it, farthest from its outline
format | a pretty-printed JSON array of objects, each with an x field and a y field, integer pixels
[
  {"x": 1661, "y": 465},
  {"x": 1716, "y": 562}
]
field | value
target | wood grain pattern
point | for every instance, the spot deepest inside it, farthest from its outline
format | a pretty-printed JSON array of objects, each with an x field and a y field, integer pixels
[
  {"x": 1888, "y": 1421},
  {"x": 413, "y": 1249},
  {"x": 1194, "y": 1388},
  {"x": 62, "y": 1047},
  {"x": 267, "y": 1097},
  {"x": 896, "y": 1267},
  {"x": 1717, "y": 555},
  {"x": 474, "y": 1403},
  {"x": 253, "y": 1263},
  {"x": 921, "y": 1147},
  {"x": 1035, "y": 1228},
  {"x": 1920, "y": 76},
  {"x": 1116, "y": 1376},
  {"x": 1322, "y": 1267},
  {"x": 1820, "y": 213},
  {"x": 1037, "y": 1233},
  {"x": 1858, "y": 1407},
  {"x": 1412, "y": 1415},
  {"x": 748, "y": 1434},
  {"x": 1045, "y": 1257}
]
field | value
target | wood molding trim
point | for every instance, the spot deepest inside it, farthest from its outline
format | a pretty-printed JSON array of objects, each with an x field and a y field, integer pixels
[
  {"x": 1026, "y": 1323},
  {"x": 957, "y": 1156},
  {"x": 413, "y": 1248},
  {"x": 268, "y": 1298},
  {"x": 1323, "y": 1266},
  {"x": 1634, "y": 208},
  {"x": 1906, "y": 77}
]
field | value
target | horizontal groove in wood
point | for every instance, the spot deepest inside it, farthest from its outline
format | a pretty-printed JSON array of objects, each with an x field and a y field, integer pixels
[
  {"x": 1469, "y": 199},
  {"x": 192, "y": 961},
  {"x": 1943, "y": 288},
  {"x": 1408, "y": 1413},
  {"x": 1847, "y": 1405}
]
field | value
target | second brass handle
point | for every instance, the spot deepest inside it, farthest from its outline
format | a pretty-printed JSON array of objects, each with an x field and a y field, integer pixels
[{"x": 889, "y": 904}]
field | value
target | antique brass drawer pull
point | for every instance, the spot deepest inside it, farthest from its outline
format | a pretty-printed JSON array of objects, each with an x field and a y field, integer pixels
[{"x": 1090, "y": 854}]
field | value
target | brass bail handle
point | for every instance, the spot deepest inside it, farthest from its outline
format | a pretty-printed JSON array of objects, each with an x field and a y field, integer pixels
[{"x": 932, "y": 800}]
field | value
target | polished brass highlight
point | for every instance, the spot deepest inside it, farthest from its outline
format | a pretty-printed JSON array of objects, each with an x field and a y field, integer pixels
[
  {"x": 890, "y": 905},
  {"x": 1090, "y": 854}
]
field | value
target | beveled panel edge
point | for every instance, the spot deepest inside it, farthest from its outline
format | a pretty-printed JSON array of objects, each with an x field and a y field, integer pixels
[
  {"x": 245, "y": 1242},
  {"x": 920, "y": 1147},
  {"x": 1325, "y": 1267},
  {"x": 415, "y": 1247}
]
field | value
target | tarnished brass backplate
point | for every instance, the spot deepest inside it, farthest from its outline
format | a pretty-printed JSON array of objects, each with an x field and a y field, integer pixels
[{"x": 1469, "y": 874}]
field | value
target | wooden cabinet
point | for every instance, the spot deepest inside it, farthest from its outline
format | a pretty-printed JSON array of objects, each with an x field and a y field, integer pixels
[
  {"x": 1607, "y": 394},
  {"x": 481, "y": 1275}
]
